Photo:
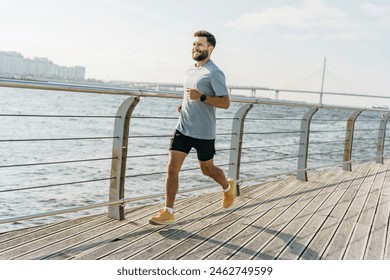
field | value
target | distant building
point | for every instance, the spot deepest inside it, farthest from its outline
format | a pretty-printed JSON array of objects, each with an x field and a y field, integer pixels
[{"x": 14, "y": 65}]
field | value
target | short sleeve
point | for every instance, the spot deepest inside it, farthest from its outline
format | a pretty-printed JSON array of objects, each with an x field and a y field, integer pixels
[{"x": 218, "y": 83}]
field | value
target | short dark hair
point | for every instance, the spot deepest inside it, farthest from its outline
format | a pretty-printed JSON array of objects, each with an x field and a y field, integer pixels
[{"x": 210, "y": 37}]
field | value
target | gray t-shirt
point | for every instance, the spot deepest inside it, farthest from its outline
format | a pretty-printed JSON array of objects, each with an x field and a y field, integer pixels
[{"x": 197, "y": 119}]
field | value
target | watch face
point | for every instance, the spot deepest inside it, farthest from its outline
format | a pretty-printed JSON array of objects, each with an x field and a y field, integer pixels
[{"x": 203, "y": 97}]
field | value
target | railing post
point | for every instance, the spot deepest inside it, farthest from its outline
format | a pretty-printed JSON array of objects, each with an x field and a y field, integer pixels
[
  {"x": 348, "y": 144},
  {"x": 236, "y": 143},
  {"x": 119, "y": 155},
  {"x": 304, "y": 144},
  {"x": 380, "y": 148}
]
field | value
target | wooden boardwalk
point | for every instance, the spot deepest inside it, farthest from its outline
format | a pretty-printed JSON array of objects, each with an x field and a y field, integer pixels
[{"x": 335, "y": 215}]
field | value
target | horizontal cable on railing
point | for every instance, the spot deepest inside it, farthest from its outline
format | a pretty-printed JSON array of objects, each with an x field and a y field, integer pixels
[
  {"x": 59, "y": 116},
  {"x": 166, "y": 154},
  {"x": 330, "y": 120},
  {"x": 224, "y": 149},
  {"x": 365, "y": 138},
  {"x": 57, "y": 185},
  {"x": 173, "y": 117},
  {"x": 268, "y": 159},
  {"x": 227, "y": 118},
  {"x": 55, "y": 162},
  {"x": 365, "y": 148},
  {"x": 290, "y": 172},
  {"x": 270, "y": 146},
  {"x": 162, "y": 118},
  {"x": 323, "y": 131},
  {"x": 325, "y": 120},
  {"x": 328, "y": 152},
  {"x": 327, "y": 142},
  {"x": 273, "y": 132},
  {"x": 167, "y": 135},
  {"x": 149, "y": 136},
  {"x": 368, "y": 120},
  {"x": 164, "y": 172},
  {"x": 366, "y": 129},
  {"x": 57, "y": 139},
  {"x": 147, "y": 155},
  {"x": 271, "y": 119}
]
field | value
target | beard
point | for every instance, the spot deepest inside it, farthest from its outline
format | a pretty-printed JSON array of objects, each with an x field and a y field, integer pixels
[{"x": 201, "y": 56}]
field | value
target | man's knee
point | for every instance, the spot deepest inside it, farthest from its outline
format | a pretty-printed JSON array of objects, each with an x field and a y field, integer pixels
[
  {"x": 172, "y": 170},
  {"x": 207, "y": 170}
]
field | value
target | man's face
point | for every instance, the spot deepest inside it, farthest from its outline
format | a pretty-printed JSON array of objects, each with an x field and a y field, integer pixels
[{"x": 200, "y": 49}]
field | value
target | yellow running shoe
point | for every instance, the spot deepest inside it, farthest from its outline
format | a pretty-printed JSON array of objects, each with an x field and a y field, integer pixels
[
  {"x": 228, "y": 197},
  {"x": 163, "y": 218}
]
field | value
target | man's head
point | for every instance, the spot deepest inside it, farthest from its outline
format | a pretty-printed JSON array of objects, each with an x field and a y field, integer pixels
[
  {"x": 203, "y": 46},
  {"x": 209, "y": 37}
]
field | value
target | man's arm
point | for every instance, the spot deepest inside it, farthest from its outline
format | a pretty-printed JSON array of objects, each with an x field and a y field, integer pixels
[{"x": 222, "y": 102}]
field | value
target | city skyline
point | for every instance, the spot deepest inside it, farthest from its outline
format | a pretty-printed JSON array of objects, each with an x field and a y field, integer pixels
[{"x": 14, "y": 65}]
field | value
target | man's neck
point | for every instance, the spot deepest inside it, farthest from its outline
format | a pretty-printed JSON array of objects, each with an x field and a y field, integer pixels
[{"x": 202, "y": 62}]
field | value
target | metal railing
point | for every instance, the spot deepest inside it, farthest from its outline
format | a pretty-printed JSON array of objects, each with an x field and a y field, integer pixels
[{"x": 263, "y": 143}]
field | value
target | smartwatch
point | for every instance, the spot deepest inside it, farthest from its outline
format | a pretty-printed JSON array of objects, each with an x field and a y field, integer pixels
[{"x": 203, "y": 97}]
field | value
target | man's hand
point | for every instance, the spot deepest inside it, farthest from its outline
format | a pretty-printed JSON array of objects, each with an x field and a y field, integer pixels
[
  {"x": 222, "y": 102},
  {"x": 179, "y": 108},
  {"x": 193, "y": 94}
]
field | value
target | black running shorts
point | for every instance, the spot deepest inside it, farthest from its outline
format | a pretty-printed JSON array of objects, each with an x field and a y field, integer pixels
[{"x": 204, "y": 148}]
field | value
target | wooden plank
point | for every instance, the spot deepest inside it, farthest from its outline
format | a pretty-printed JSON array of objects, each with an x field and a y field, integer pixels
[
  {"x": 348, "y": 217},
  {"x": 40, "y": 230},
  {"x": 190, "y": 235},
  {"x": 322, "y": 226},
  {"x": 226, "y": 250},
  {"x": 197, "y": 220},
  {"x": 376, "y": 247},
  {"x": 357, "y": 244},
  {"x": 311, "y": 221},
  {"x": 106, "y": 237},
  {"x": 228, "y": 224},
  {"x": 45, "y": 244},
  {"x": 121, "y": 241},
  {"x": 28, "y": 234},
  {"x": 39, "y": 236},
  {"x": 269, "y": 226},
  {"x": 178, "y": 249},
  {"x": 291, "y": 230},
  {"x": 218, "y": 234},
  {"x": 27, "y": 247},
  {"x": 254, "y": 226},
  {"x": 336, "y": 214}
]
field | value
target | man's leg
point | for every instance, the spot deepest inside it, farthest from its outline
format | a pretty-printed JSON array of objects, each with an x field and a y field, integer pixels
[
  {"x": 228, "y": 185},
  {"x": 176, "y": 159},
  {"x": 209, "y": 169},
  {"x": 175, "y": 162}
]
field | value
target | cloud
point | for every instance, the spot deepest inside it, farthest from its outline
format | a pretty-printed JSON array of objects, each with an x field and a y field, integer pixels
[
  {"x": 332, "y": 36},
  {"x": 379, "y": 14},
  {"x": 311, "y": 14},
  {"x": 342, "y": 36},
  {"x": 375, "y": 10}
]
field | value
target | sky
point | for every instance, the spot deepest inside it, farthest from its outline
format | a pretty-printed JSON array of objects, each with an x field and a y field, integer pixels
[{"x": 276, "y": 44}]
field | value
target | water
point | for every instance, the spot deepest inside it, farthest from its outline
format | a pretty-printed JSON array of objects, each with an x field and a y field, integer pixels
[{"x": 260, "y": 156}]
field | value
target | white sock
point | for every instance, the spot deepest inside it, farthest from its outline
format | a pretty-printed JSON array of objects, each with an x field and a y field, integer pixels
[
  {"x": 170, "y": 210},
  {"x": 227, "y": 189}
]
